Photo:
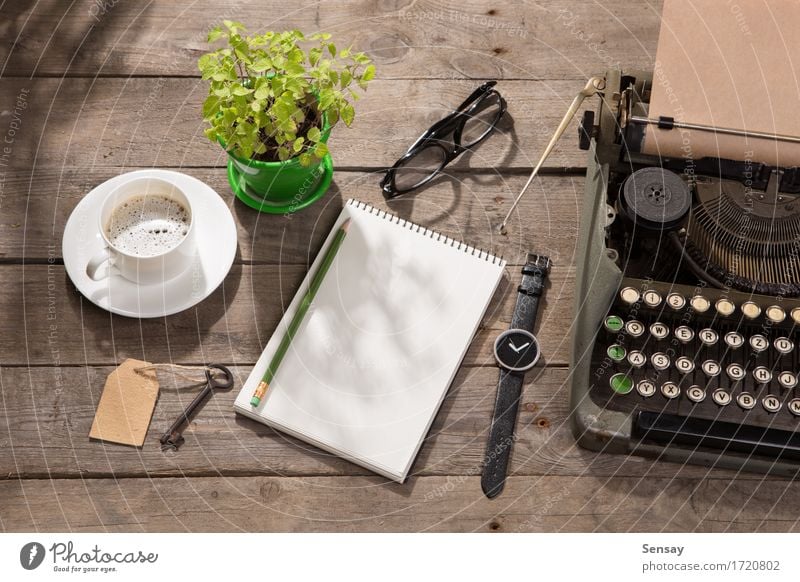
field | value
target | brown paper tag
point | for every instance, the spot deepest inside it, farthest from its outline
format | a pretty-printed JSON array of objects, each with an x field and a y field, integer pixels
[{"x": 126, "y": 405}]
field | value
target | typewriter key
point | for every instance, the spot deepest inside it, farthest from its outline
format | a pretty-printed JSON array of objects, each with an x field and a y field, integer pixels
[
  {"x": 734, "y": 340},
  {"x": 660, "y": 361},
  {"x": 652, "y": 298},
  {"x": 684, "y": 334},
  {"x": 787, "y": 380},
  {"x": 696, "y": 394},
  {"x": 699, "y": 303},
  {"x": 758, "y": 343},
  {"x": 616, "y": 352},
  {"x": 721, "y": 397},
  {"x": 771, "y": 403},
  {"x": 621, "y": 384},
  {"x": 670, "y": 390},
  {"x": 762, "y": 375},
  {"x": 677, "y": 301},
  {"x": 646, "y": 388},
  {"x": 794, "y": 406},
  {"x": 783, "y": 345},
  {"x": 684, "y": 364},
  {"x": 708, "y": 336},
  {"x": 735, "y": 372},
  {"x": 636, "y": 359},
  {"x": 775, "y": 314},
  {"x": 629, "y": 295},
  {"x": 750, "y": 310},
  {"x": 796, "y": 315},
  {"x": 746, "y": 401},
  {"x": 711, "y": 368},
  {"x": 613, "y": 323},
  {"x": 634, "y": 328},
  {"x": 725, "y": 307},
  {"x": 659, "y": 331}
]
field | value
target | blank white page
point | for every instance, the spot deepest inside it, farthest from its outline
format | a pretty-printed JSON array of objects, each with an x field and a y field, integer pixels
[{"x": 381, "y": 343}]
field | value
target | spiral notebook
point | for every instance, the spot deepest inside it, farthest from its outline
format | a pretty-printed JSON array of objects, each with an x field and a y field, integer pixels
[{"x": 383, "y": 340}]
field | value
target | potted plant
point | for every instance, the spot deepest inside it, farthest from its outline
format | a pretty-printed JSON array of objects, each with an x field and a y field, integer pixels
[{"x": 273, "y": 99}]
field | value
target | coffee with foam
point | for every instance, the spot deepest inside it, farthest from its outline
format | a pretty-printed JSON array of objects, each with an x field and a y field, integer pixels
[{"x": 148, "y": 226}]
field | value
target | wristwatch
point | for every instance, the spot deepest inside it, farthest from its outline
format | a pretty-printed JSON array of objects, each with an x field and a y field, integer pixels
[{"x": 516, "y": 351}]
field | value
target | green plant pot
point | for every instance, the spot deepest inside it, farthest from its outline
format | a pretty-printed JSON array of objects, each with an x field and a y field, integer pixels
[{"x": 279, "y": 187}]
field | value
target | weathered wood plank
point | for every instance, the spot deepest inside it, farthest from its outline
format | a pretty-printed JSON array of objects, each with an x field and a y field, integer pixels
[
  {"x": 55, "y": 326},
  {"x": 431, "y": 39},
  {"x": 469, "y": 207},
  {"x": 350, "y": 504},
  {"x": 48, "y": 413},
  {"x": 94, "y": 123}
]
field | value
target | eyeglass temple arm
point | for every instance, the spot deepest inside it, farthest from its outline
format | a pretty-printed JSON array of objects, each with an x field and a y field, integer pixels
[{"x": 594, "y": 85}]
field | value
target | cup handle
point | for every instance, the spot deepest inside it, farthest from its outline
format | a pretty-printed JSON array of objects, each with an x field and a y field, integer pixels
[{"x": 96, "y": 261}]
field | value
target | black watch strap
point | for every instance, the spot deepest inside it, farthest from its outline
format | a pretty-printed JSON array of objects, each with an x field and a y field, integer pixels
[
  {"x": 501, "y": 435},
  {"x": 529, "y": 291},
  {"x": 509, "y": 388}
]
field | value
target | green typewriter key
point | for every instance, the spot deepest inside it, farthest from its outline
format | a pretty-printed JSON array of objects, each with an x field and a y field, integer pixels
[
  {"x": 616, "y": 352},
  {"x": 621, "y": 383},
  {"x": 614, "y": 323}
]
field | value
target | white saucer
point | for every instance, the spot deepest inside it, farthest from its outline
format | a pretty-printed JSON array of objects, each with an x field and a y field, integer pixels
[{"x": 215, "y": 236}]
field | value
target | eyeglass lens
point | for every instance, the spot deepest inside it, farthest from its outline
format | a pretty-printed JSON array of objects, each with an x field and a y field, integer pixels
[
  {"x": 419, "y": 167},
  {"x": 481, "y": 120}
]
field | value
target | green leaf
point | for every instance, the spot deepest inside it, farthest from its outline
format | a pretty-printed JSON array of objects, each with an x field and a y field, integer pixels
[
  {"x": 305, "y": 159},
  {"x": 211, "y": 107},
  {"x": 326, "y": 99},
  {"x": 261, "y": 64},
  {"x": 283, "y": 153},
  {"x": 263, "y": 93},
  {"x": 214, "y": 34},
  {"x": 369, "y": 73},
  {"x": 298, "y": 144},
  {"x": 241, "y": 90},
  {"x": 234, "y": 27},
  {"x": 320, "y": 150},
  {"x": 345, "y": 78},
  {"x": 348, "y": 113},
  {"x": 332, "y": 49},
  {"x": 314, "y": 134}
]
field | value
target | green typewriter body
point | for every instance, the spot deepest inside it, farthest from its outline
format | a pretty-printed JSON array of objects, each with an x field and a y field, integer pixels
[{"x": 687, "y": 311}]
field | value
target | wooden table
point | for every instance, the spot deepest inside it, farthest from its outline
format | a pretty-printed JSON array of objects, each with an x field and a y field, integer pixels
[{"x": 113, "y": 86}]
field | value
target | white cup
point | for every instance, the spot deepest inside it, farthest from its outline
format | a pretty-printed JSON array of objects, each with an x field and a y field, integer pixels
[{"x": 145, "y": 270}]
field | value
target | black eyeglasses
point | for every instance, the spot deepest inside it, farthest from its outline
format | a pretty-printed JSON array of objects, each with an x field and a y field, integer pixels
[{"x": 470, "y": 124}]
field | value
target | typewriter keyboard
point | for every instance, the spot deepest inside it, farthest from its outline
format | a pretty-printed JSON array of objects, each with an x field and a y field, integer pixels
[{"x": 702, "y": 353}]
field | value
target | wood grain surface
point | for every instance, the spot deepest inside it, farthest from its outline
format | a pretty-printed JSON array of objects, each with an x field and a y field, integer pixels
[{"x": 113, "y": 87}]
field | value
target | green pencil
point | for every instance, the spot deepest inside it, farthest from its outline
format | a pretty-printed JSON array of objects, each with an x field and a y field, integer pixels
[{"x": 316, "y": 281}]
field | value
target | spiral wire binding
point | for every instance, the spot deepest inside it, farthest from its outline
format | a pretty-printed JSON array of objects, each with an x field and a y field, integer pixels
[{"x": 414, "y": 227}]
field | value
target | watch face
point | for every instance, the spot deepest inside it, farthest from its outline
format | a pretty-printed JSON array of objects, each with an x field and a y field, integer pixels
[{"x": 516, "y": 350}]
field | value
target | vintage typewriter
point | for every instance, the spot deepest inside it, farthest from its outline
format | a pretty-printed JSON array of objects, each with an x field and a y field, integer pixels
[{"x": 688, "y": 299}]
